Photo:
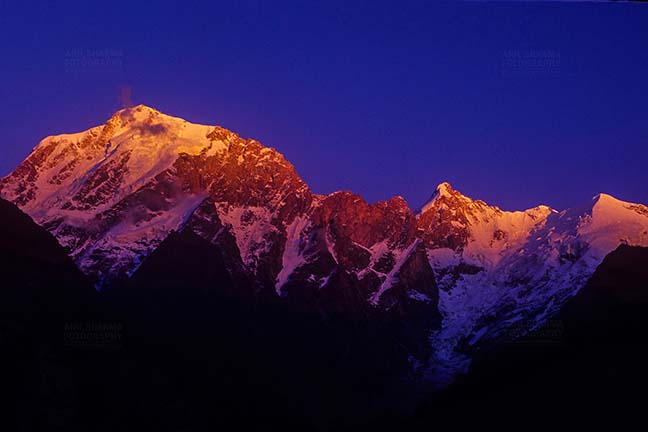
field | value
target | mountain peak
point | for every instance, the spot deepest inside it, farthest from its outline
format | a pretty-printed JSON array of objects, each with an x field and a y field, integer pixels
[
  {"x": 607, "y": 204},
  {"x": 605, "y": 199},
  {"x": 444, "y": 190},
  {"x": 142, "y": 113},
  {"x": 138, "y": 108}
]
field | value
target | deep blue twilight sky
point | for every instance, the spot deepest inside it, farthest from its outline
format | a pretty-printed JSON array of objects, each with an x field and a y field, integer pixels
[{"x": 516, "y": 103}]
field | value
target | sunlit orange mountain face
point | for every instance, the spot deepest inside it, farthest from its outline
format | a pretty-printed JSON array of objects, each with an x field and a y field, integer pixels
[{"x": 278, "y": 298}]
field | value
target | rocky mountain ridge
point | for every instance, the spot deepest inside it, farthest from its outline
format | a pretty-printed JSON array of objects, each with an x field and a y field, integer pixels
[{"x": 459, "y": 274}]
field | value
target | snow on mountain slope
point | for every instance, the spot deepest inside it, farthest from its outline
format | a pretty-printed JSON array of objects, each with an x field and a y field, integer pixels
[
  {"x": 250, "y": 226},
  {"x": 510, "y": 272},
  {"x": 87, "y": 172},
  {"x": 612, "y": 222},
  {"x": 111, "y": 194},
  {"x": 292, "y": 257},
  {"x": 483, "y": 235}
]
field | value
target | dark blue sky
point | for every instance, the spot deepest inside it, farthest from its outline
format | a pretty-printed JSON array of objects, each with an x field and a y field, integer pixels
[{"x": 514, "y": 103}]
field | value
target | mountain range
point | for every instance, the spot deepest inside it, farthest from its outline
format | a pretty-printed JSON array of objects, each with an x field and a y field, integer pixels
[{"x": 447, "y": 281}]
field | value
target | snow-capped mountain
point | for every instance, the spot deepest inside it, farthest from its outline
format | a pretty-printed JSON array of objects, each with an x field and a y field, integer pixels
[
  {"x": 112, "y": 193},
  {"x": 502, "y": 274},
  {"x": 457, "y": 276}
]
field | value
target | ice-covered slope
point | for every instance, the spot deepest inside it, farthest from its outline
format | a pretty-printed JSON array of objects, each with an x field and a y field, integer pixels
[
  {"x": 84, "y": 187},
  {"x": 84, "y": 173},
  {"x": 502, "y": 274},
  {"x": 455, "y": 226},
  {"x": 111, "y": 194}
]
